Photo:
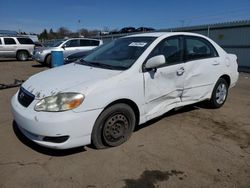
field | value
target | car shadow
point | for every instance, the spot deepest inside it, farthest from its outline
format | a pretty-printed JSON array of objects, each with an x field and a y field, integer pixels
[
  {"x": 181, "y": 110},
  {"x": 8, "y": 60},
  {"x": 13, "y": 60},
  {"x": 39, "y": 66},
  {"x": 61, "y": 153},
  {"x": 41, "y": 149}
]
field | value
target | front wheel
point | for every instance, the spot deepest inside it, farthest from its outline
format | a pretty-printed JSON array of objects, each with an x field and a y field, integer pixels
[
  {"x": 114, "y": 126},
  {"x": 219, "y": 94}
]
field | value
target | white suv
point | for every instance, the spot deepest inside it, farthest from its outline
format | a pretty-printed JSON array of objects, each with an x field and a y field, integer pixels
[
  {"x": 70, "y": 46},
  {"x": 16, "y": 47}
]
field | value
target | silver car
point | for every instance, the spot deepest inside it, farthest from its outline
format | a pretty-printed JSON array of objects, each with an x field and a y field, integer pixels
[
  {"x": 69, "y": 46},
  {"x": 16, "y": 47}
]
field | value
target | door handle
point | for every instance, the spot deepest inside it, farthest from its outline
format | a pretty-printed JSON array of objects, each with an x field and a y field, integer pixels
[{"x": 180, "y": 71}]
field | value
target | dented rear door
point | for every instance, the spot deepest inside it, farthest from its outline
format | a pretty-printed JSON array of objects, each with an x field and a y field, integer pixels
[{"x": 202, "y": 69}]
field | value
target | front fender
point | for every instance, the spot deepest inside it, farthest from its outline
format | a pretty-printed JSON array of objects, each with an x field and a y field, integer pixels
[{"x": 108, "y": 91}]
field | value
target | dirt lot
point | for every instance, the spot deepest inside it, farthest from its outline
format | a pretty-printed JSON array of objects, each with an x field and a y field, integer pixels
[{"x": 193, "y": 147}]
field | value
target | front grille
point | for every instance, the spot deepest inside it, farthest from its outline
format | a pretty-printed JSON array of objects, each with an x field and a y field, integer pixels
[{"x": 24, "y": 97}]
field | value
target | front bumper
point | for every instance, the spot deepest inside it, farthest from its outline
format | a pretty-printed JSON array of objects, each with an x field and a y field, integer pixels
[
  {"x": 37, "y": 126},
  {"x": 38, "y": 57}
]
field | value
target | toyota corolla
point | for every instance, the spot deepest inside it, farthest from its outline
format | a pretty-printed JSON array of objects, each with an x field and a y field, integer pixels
[{"x": 102, "y": 97}]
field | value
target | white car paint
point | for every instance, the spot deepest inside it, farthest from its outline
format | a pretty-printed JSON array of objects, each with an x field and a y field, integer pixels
[{"x": 154, "y": 93}]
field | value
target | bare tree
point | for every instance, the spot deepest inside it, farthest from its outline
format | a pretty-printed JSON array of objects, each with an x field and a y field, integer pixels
[{"x": 63, "y": 32}]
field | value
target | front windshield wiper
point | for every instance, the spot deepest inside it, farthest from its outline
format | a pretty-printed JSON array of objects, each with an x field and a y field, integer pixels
[
  {"x": 103, "y": 65},
  {"x": 108, "y": 66},
  {"x": 82, "y": 61}
]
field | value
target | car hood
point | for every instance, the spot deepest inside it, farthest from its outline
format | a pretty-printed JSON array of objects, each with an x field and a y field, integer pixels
[
  {"x": 47, "y": 48},
  {"x": 66, "y": 78}
]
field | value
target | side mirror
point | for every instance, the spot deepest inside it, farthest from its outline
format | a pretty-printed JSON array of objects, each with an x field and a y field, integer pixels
[
  {"x": 155, "y": 62},
  {"x": 63, "y": 47}
]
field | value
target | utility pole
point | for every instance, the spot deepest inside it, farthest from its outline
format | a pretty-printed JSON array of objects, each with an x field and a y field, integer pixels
[{"x": 208, "y": 31}]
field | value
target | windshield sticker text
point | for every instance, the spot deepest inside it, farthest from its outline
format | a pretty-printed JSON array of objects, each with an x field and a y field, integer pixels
[{"x": 138, "y": 44}]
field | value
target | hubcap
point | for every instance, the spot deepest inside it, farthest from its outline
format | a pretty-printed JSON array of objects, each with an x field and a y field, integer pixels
[
  {"x": 115, "y": 129},
  {"x": 221, "y": 93},
  {"x": 22, "y": 56}
]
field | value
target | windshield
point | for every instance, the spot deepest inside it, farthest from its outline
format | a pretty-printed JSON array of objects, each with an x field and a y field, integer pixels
[
  {"x": 53, "y": 43},
  {"x": 119, "y": 54},
  {"x": 57, "y": 43}
]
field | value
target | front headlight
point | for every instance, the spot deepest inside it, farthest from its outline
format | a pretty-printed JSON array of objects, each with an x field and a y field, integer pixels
[
  {"x": 39, "y": 51},
  {"x": 60, "y": 102}
]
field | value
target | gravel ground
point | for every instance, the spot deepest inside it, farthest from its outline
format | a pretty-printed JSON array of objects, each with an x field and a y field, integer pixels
[{"x": 191, "y": 147}]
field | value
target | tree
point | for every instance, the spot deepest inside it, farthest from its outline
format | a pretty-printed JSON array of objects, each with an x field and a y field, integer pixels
[
  {"x": 43, "y": 35},
  {"x": 52, "y": 34},
  {"x": 63, "y": 32},
  {"x": 83, "y": 32}
]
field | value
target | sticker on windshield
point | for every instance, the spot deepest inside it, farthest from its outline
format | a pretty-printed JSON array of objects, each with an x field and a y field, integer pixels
[{"x": 138, "y": 44}]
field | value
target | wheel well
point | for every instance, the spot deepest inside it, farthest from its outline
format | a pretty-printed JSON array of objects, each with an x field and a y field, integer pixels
[
  {"x": 22, "y": 51},
  {"x": 45, "y": 60},
  {"x": 46, "y": 57},
  {"x": 132, "y": 104},
  {"x": 227, "y": 78}
]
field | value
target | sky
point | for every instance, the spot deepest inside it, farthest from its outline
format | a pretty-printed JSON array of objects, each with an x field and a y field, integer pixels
[{"x": 35, "y": 16}]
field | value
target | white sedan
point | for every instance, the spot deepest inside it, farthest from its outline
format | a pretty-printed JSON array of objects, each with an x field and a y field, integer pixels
[{"x": 125, "y": 83}]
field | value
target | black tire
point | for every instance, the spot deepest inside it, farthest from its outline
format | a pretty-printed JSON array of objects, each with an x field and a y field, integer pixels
[
  {"x": 22, "y": 55},
  {"x": 218, "y": 98},
  {"x": 114, "y": 126},
  {"x": 48, "y": 60}
]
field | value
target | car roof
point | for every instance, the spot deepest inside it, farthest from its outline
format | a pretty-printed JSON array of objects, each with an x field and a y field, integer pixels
[
  {"x": 166, "y": 34},
  {"x": 83, "y": 38},
  {"x": 15, "y": 37}
]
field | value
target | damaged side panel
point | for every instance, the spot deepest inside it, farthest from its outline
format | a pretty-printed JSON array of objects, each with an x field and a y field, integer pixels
[
  {"x": 199, "y": 79},
  {"x": 161, "y": 89}
]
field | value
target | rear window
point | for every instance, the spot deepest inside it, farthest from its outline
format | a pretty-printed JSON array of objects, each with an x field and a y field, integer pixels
[
  {"x": 9, "y": 41},
  {"x": 25, "y": 41},
  {"x": 0, "y": 41},
  {"x": 89, "y": 43}
]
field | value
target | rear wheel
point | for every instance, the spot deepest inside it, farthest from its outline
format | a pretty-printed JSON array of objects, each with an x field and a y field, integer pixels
[
  {"x": 114, "y": 126},
  {"x": 48, "y": 60},
  {"x": 219, "y": 94},
  {"x": 22, "y": 55}
]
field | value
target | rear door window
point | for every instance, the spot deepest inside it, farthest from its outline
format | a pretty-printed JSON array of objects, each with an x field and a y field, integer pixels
[
  {"x": 198, "y": 48},
  {"x": 85, "y": 42},
  {"x": 0, "y": 41},
  {"x": 9, "y": 41},
  {"x": 94, "y": 43},
  {"x": 25, "y": 41}
]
